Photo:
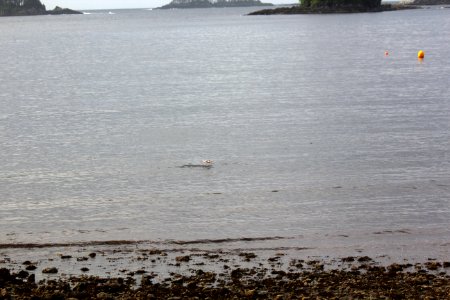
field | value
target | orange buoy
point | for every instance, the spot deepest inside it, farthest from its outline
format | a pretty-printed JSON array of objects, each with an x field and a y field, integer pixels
[
  {"x": 386, "y": 53},
  {"x": 420, "y": 54}
]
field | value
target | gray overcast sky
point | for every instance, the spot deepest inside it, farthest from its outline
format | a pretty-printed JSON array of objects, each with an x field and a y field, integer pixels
[{"x": 107, "y": 4}]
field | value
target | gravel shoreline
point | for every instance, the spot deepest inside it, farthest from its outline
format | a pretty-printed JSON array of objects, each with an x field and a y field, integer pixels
[{"x": 152, "y": 273}]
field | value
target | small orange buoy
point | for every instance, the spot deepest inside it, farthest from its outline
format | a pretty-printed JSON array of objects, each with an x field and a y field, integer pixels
[
  {"x": 420, "y": 54},
  {"x": 386, "y": 53}
]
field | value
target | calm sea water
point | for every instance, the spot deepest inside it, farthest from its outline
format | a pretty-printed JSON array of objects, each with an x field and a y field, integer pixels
[{"x": 98, "y": 111}]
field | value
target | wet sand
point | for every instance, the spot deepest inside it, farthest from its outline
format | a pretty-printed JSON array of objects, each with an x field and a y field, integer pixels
[{"x": 220, "y": 269}]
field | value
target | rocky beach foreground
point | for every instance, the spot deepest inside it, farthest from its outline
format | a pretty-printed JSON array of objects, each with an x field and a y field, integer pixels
[{"x": 133, "y": 271}]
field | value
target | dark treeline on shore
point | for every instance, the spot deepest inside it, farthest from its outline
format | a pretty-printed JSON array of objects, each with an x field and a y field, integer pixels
[
  {"x": 333, "y": 6},
  {"x": 21, "y": 7},
  {"x": 431, "y": 2},
  {"x": 340, "y": 3},
  {"x": 210, "y": 4},
  {"x": 29, "y": 8}
]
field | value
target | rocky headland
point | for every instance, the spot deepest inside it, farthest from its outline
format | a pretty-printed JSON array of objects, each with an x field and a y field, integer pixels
[
  {"x": 333, "y": 6},
  {"x": 62, "y": 11},
  {"x": 30, "y": 8},
  {"x": 175, "y": 4}
]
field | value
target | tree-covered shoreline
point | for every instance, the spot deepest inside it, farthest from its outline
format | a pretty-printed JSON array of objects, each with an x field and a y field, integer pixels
[
  {"x": 29, "y": 8},
  {"x": 211, "y": 4},
  {"x": 340, "y": 4},
  {"x": 332, "y": 7},
  {"x": 21, "y": 7},
  {"x": 430, "y": 2}
]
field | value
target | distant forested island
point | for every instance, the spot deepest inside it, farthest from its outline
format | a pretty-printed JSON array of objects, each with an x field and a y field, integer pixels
[
  {"x": 30, "y": 8},
  {"x": 333, "y": 6},
  {"x": 213, "y": 3},
  {"x": 429, "y": 2}
]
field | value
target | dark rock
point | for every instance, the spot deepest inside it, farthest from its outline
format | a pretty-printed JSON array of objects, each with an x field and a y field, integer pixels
[
  {"x": 5, "y": 276},
  {"x": 282, "y": 273},
  {"x": 185, "y": 258},
  {"x": 52, "y": 270},
  {"x": 31, "y": 268},
  {"x": 199, "y": 272},
  {"x": 63, "y": 11},
  {"x": 236, "y": 273},
  {"x": 273, "y": 259},
  {"x": 312, "y": 262},
  {"x": 364, "y": 259},
  {"x": 23, "y": 274},
  {"x": 247, "y": 256},
  {"x": 31, "y": 278},
  {"x": 191, "y": 285},
  {"x": 432, "y": 265},
  {"x": 155, "y": 252},
  {"x": 92, "y": 255},
  {"x": 82, "y": 258},
  {"x": 394, "y": 268},
  {"x": 348, "y": 259},
  {"x": 80, "y": 287}
]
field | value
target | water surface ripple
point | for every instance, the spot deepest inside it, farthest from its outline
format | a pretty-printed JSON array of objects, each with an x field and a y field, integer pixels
[{"x": 311, "y": 128}]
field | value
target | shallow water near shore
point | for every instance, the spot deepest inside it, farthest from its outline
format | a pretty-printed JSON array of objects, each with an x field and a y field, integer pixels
[{"x": 314, "y": 133}]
